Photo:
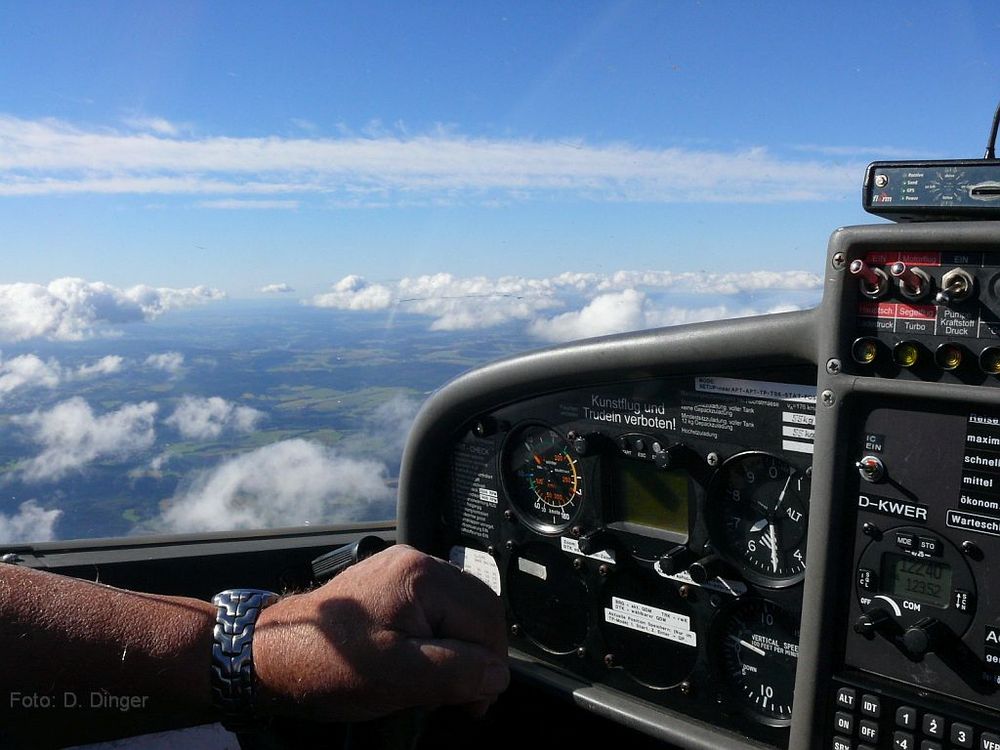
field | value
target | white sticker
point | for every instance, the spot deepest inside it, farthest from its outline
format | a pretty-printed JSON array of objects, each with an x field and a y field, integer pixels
[
  {"x": 791, "y": 417},
  {"x": 799, "y": 394},
  {"x": 661, "y": 623},
  {"x": 573, "y": 547},
  {"x": 722, "y": 585},
  {"x": 488, "y": 495},
  {"x": 532, "y": 568},
  {"x": 800, "y": 433},
  {"x": 794, "y": 445},
  {"x": 477, "y": 563}
]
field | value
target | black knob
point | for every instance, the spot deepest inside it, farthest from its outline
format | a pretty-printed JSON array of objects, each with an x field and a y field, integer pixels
[
  {"x": 705, "y": 569},
  {"x": 596, "y": 541},
  {"x": 872, "y": 622},
  {"x": 667, "y": 457},
  {"x": 675, "y": 560},
  {"x": 925, "y": 636}
]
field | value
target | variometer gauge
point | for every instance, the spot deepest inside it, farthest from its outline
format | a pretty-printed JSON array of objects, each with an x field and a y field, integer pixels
[
  {"x": 542, "y": 476},
  {"x": 757, "y": 649},
  {"x": 758, "y": 511}
]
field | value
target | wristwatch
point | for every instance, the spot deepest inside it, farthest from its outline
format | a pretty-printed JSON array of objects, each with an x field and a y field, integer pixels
[{"x": 233, "y": 683}]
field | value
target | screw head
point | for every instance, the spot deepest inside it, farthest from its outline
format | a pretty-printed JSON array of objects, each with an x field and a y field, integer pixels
[
  {"x": 508, "y": 545},
  {"x": 833, "y": 366},
  {"x": 491, "y": 551},
  {"x": 508, "y": 515},
  {"x": 581, "y": 652},
  {"x": 603, "y": 570},
  {"x": 839, "y": 261},
  {"x": 515, "y": 630},
  {"x": 828, "y": 398},
  {"x": 577, "y": 563},
  {"x": 712, "y": 459},
  {"x": 686, "y": 688},
  {"x": 609, "y": 660}
]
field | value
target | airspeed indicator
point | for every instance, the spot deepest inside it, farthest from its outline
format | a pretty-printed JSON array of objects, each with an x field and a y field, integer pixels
[{"x": 543, "y": 478}]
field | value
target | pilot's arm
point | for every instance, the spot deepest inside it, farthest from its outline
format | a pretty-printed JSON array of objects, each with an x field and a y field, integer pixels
[{"x": 398, "y": 630}]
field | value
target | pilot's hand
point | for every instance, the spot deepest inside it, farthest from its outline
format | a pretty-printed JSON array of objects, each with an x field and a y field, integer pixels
[{"x": 398, "y": 630}]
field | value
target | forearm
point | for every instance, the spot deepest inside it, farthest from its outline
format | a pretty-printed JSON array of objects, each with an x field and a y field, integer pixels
[{"x": 82, "y": 660}]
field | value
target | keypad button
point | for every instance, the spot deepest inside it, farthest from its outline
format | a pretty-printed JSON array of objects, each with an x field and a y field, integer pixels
[
  {"x": 846, "y": 698},
  {"x": 842, "y": 743},
  {"x": 844, "y": 723},
  {"x": 868, "y": 731},
  {"x": 865, "y": 747},
  {"x": 903, "y": 741},
  {"x": 871, "y": 705},
  {"x": 929, "y": 545},
  {"x": 906, "y": 717},
  {"x": 930, "y": 745},
  {"x": 933, "y": 726},
  {"x": 989, "y": 741},
  {"x": 961, "y": 735}
]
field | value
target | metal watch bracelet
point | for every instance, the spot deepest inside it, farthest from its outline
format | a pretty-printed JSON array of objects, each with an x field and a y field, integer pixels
[{"x": 233, "y": 683}]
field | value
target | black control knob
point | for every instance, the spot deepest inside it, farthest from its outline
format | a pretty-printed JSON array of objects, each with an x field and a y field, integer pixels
[
  {"x": 596, "y": 541},
  {"x": 925, "y": 636},
  {"x": 706, "y": 569},
  {"x": 873, "y": 622},
  {"x": 666, "y": 457},
  {"x": 675, "y": 560}
]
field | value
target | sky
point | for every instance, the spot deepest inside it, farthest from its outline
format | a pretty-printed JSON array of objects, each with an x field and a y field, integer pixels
[
  {"x": 291, "y": 148},
  {"x": 542, "y": 170}
]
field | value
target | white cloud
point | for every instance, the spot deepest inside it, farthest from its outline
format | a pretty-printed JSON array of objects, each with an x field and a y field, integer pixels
[
  {"x": 290, "y": 483},
  {"x": 354, "y": 293},
  {"x": 49, "y": 156},
  {"x": 607, "y": 313},
  {"x": 31, "y": 523},
  {"x": 28, "y": 371},
  {"x": 256, "y": 205},
  {"x": 108, "y": 365},
  {"x": 70, "y": 309},
  {"x": 594, "y": 304},
  {"x": 281, "y": 288},
  {"x": 170, "y": 362},
  {"x": 207, "y": 418},
  {"x": 72, "y": 436},
  {"x": 158, "y": 125}
]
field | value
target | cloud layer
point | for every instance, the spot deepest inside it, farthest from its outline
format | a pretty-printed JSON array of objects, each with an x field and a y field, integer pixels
[
  {"x": 31, "y": 523},
  {"x": 590, "y": 304},
  {"x": 30, "y": 371},
  {"x": 290, "y": 483},
  {"x": 71, "y": 436},
  {"x": 207, "y": 418},
  {"x": 47, "y": 156},
  {"x": 70, "y": 309}
]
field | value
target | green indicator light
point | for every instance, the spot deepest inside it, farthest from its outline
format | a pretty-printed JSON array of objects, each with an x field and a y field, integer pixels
[
  {"x": 864, "y": 351},
  {"x": 989, "y": 360},
  {"x": 948, "y": 356},
  {"x": 906, "y": 354}
]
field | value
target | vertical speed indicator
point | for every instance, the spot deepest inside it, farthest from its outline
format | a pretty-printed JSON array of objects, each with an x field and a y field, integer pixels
[
  {"x": 757, "y": 649},
  {"x": 542, "y": 476}
]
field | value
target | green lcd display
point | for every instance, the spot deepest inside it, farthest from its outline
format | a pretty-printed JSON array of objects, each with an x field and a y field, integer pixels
[
  {"x": 917, "y": 579},
  {"x": 648, "y": 496}
]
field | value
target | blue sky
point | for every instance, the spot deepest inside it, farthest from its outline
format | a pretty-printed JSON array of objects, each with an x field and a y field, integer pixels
[{"x": 244, "y": 144}]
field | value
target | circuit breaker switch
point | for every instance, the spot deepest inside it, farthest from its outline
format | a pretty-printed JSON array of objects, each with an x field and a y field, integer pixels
[{"x": 914, "y": 283}]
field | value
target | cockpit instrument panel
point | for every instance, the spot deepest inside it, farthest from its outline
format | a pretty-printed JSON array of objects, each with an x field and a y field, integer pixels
[
  {"x": 649, "y": 535},
  {"x": 777, "y": 532}
]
